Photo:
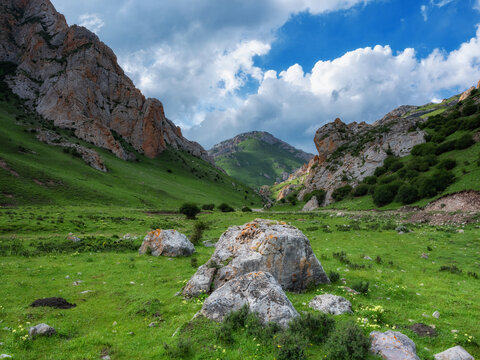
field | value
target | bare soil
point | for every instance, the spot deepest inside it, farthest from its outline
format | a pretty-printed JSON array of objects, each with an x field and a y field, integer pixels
[{"x": 55, "y": 302}]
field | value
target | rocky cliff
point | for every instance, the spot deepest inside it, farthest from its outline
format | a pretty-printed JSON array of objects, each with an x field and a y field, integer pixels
[{"x": 70, "y": 77}]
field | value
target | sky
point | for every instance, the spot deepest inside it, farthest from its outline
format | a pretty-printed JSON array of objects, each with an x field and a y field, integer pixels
[{"x": 286, "y": 66}]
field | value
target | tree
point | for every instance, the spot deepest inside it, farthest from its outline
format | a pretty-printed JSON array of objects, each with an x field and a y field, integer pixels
[{"x": 190, "y": 210}]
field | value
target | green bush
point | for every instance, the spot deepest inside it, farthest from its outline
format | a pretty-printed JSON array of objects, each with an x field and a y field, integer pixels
[
  {"x": 426, "y": 187},
  {"x": 348, "y": 342},
  {"x": 379, "y": 171},
  {"x": 333, "y": 276},
  {"x": 424, "y": 149},
  {"x": 361, "y": 190},
  {"x": 341, "y": 192},
  {"x": 370, "y": 180},
  {"x": 469, "y": 110},
  {"x": 320, "y": 194},
  {"x": 208, "y": 206},
  {"x": 223, "y": 207},
  {"x": 361, "y": 286},
  {"x": 387, "y": 179},
  {"x": 198, "y": 229},
  {"x": 385, "y": 194},
  {"x": 420, "y": 163},
  {"x": 290, "y": 347},
  {"x": 407, "y": 194},
  {"x": 292, "y": 199},
  {"x": 445, "y": 147},
  {"x": 447, "y": 164},
  {"x": 190, "y": 210},
  {"x": 464, "y": 142},
  {"x": 246, "y": 209},
  {"x": 314, "y": 328}
]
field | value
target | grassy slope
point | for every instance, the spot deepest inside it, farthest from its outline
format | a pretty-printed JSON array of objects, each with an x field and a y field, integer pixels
[
  {"x": 408, "y": 287},
  {"x": 257, "y": 158},
  {"x": 135, "y": 184}
]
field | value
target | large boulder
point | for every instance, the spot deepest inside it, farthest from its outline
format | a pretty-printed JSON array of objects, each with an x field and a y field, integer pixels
[
  {"x": 454, "y": 353},
  {"x": 259, "y": 290},
  {"x": 392, "y": 345},
  {"x": 167, "y": 243},
  {"x": 331, "y": 304},
  {"x": 311, "y": 205},
  {"x": 261, "y": 245}
]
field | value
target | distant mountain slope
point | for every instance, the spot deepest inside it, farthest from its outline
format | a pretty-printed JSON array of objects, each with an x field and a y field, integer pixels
[{"x": 258, "y": 158}]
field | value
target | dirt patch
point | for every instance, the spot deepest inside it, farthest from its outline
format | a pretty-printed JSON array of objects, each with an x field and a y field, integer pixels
[
  {"x": 38, "y": 182},
  {"x": 443, "y": 218},
  {"x": 423, "y": 330},
  {"x": 4, "y": 165},
  {"x": 55, "y": 302},
  {"x": 461, "y": 201},
  {"x": 161, "y": 212}
]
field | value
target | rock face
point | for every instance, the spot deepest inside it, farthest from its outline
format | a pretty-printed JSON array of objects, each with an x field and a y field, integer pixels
[
  {"x": 466, "y": 93},
  {"x": 261, "y": 245},
  {"x": 41, "y": 330},
  {"x": 72, "y": 78},
  {"x": 392, "y": 345},
  {"x": 166, "y": 243},
  {"x": 454, "y": 353},
  {"x": 311, "y": 205},
  {"x": 331, "y": 304},
  {"x": 259, "y": 290}
]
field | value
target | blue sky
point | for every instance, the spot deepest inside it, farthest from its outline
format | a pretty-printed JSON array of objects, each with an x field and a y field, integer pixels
[{"x": 286, "y": 66}]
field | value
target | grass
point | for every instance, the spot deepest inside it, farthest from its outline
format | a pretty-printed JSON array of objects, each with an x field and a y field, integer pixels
[
  {"x": 48, "y": 176},
  {"x": 130, "y": 291}
]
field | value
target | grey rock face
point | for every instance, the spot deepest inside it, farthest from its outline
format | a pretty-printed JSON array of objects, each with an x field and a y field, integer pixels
[
  {"x": 166, "y": 243},
  {"x": 331, "y": 304},
  {"x": 261, "y": 245},
  {"x": 311, "y": 205},
  {"x": 454, "y": 353},
  {"x": 392, "y": 345},
  {"x": 259, "y": 290},
  {"x": 41, "y": 330}
]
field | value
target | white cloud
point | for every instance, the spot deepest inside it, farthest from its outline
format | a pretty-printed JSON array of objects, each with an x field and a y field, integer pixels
[
  {"x": 476, "y": 5},
  {"x": 441, "y": 3},
  {"x": 91, "y": 21},
  {"x": 361, "y": 85},
  {"x": 423, "y": 10}
]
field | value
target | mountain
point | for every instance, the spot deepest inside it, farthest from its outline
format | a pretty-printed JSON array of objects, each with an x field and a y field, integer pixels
[
  {"x": 67, "y": 75},
  {"x": 258, "y": 158},
  {"x": 413, "y": 150}
]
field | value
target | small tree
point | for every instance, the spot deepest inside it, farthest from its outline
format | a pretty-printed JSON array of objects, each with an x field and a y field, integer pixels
[
  {"x": 224, "y": 207},
  {"x": 341, "y": 192},
  {"x": 190, "y": 210}
]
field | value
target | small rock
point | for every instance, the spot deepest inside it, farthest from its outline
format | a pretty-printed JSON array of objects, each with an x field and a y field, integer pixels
[
  {"x": 460, "y": 231},
  {"x": 152, "y": 324},
  {"x": 423, "y": 330},
  {"x": 73, "y": 238},
  {"x": 402, "y": 229},
  {"x": 331, "y": 304},
  {"x": 208, "y": 244},
  {"x": 366, "y": 257},
  {"x": 351, "y": 291},
  {"x": 424, "y": 256},
  {"x": 5, "y": 356},
  {"x": 41, "y": 330},
  {"x": 79, "y": 273},
  {"x": 393, "y": 345},
  {"x": 454, "y": 353},
  {"x": 436, "y": 314},
  {"x": 77, "y": 282},
  {"x": 339, "y": 214},
  {"x": 114, "y": 323},
  {"x": 132, "y": 282},
  {"x": 67, "y": 277},
  {"x": 86, "y": 291},
  {"x": 454, "y": 331},
  {"x": 105, "y": 357},
  {"x": 131, "y": 333}
]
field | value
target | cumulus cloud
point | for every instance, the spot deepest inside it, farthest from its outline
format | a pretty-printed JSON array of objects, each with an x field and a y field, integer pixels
[
  {"x": 359, "y": 86},
  {"x": 91, "y": 21}
]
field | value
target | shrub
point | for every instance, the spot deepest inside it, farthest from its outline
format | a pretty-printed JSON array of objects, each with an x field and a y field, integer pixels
[
  {"x": 379, "y": 171},
  {"x": 464, "y": 142},
  {"x": 361, "y": 190},
  {"x": 445, "y": 147},
  {"x": 198, "y": 229},
  {"x": 290, "y": 346},
  {"x": 320, "y": 194},
  {"x": 341, "y": 192},
  {"x": 407, "y": 194},
  {"x": 194, "y": 262},
  {"x": 333, "y": 276},
  {"x": 181, "y": 350},
  {"x": 418, "y": 164},
  {"x": 223, "y": 207},
  {"x": 390, "y": 162},
  {"x": 426, "y": 187},
  {"x": 190, "y": 210},
  {"x": 384, "y": 194},
  {"x": 447, "y": 164},
  {"x": 348, "y": 342},
  {"x": 208, "y": 206},
  {"x": 442, "y": 179},
  {"x": 315, "y": 328},
  {"x": 246, "y": 209},
  {"x": 370, "y": 180},
  {"x": 361, "y": 286},
  {"x": 423, "y": 149},
  {"x": 469, "y": 110},
  {"x": 387, "y": 179}
]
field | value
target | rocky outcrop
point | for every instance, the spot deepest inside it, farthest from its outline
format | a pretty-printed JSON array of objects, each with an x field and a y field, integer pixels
[
  {"x": 454, "y": 353},
  {"x": 392, "y": 345},
  {"x": 466, "y": 93},
  {"x": 259, "y": 291},
  {"x": 331, "y": 304},
  {"x": 261, "y": 245},
  {"x": 70, "y": 77},
  {"x": 90, "y": 156},
  {"x": 166, "y": 243},
  {"x": 311, "y": 205}
]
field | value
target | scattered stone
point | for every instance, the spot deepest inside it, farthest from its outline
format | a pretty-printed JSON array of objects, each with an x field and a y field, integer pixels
[
  {"x": 114, "y": 323},
  {"x": 55, "y": 302},
  {"x": 77, "y": 282},
  {"x": 67, "y": 277},
  {"x": 41, "y": 330},
  {"x": 423, "y": 330},
  {"x": 152, "y": 324},
  {"x": 393, "y": 345},
  {"x": 351, "y": 291},
  {"x": 167, "y": 243},
  {"x": 331, "y": 304},
  {"x": 105, "y": 357},
  {"x": 454, "y": 353},
  {"x": 259, "y": 290},
  {"x": 402, "y": 229},
  {"x": 424, "y": 256},
  {"x": 366, "y": 257},
  {"x": 436, "y": 314},
  {"x": 460, "y": 231},
  {"x": 87, "y": 292},
  {"x": 73, "y": 238},
  {"x": 454, "y": 331},
  {"x": 131, "y": 333},
  {"x": 340, "y": 214},
  {"x": 261, "y": 245},
  {"x": 208, "y": 243},
  {"x": 311, "y": 205}
]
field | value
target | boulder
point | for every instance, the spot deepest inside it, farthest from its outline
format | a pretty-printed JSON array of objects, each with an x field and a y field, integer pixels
[
  {"x": 392, "y": 345},
  {"x": 259, "y": 290},
  {"x": 311, "y": 205},
  {"x": 331, "y": 304},
  {"x": 167, "y": 243},
  {"x": 41, "y": 330},
  {"x": 261, "y": 245},
  {"x": 454, "y": 353},
  {"x": 5, "y": 356}
]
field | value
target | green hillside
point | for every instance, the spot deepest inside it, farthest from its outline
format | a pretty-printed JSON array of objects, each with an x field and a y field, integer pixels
[
  {"x": 256, "y": 162},
  {"x": 49, "y": 176}
]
